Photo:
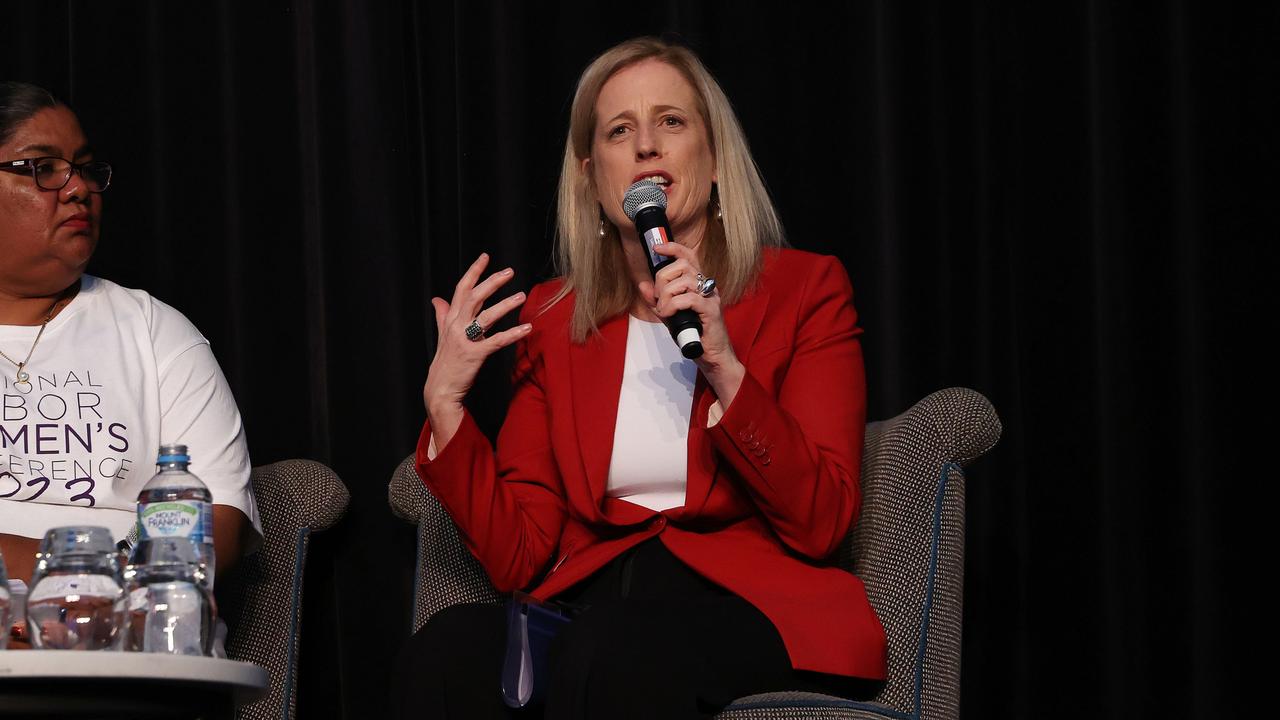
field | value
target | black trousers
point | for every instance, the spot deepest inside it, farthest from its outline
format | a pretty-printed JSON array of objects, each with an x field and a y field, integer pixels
[{"x": 658, "y": 641}]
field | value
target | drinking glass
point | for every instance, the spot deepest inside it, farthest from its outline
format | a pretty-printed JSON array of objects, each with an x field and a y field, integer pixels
[{"x": 77, "y": 599}]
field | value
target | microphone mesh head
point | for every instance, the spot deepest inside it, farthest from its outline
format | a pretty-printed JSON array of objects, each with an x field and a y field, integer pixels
[{"x": 641, "y": 194}]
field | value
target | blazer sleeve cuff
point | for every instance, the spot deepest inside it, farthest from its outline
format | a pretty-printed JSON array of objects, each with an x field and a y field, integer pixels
[
  {"x": 744, "y": 433},
  {"x": 456, "y": 459}
]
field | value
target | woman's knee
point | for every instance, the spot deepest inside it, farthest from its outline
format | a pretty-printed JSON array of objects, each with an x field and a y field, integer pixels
[
  {"x": 669, "y": 660},
  {"x": 611, "y": 662},
  {"x": 452, "y": 662},
  {"x": 458, "y": 629}
]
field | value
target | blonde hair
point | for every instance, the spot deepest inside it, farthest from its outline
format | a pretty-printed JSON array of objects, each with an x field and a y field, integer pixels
[{"x": 594, "y": 267}]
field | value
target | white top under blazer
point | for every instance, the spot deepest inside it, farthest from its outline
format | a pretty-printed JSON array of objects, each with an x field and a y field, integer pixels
[{"x": 650, "y": 461}]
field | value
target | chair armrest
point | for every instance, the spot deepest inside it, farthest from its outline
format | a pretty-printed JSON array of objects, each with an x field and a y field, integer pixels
[
  {"x": 408, "y": 495},
  {"x": 308, "y": 493},
  {"x": 908, "y": 544},
  {"x": 963, "y": 423},
  {"x": 447, "y": 573},
  {"x": 261, "y": 600}
]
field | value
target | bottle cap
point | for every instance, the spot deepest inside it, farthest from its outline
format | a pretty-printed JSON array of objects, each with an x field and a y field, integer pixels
[{"x": 173, "y": 454}]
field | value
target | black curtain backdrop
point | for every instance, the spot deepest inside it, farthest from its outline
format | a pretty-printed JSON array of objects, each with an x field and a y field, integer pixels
[{"x": 1061, "y": 205}]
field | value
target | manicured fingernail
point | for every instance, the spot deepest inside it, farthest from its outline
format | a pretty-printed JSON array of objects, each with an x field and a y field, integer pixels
[
  {"x": 526, "y": 327},
  {"x": 519, "y": 296},
  {"x": 508, "y": 271}
]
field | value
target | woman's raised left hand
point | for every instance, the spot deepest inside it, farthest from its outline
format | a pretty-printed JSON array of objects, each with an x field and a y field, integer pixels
[{"x": 675, "y": 288}]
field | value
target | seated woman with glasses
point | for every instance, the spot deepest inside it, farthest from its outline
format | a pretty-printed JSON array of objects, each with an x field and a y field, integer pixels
[{"x": 94, "y": 376}]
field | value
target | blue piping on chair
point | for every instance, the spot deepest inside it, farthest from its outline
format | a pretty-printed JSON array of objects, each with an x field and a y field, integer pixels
[
  {"x": 295, "y": 608},
  {"x": 417, "y": 580},
  {"x": 924, "y": 626},
  {"x": 933, "y": 579}
]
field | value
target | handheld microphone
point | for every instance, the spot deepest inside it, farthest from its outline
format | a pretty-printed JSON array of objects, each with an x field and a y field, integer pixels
[{"x": 646, "y": 205}]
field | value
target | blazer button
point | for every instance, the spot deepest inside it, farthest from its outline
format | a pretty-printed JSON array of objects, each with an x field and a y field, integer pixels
[
  {"x": 660, "y": 521},
  {"x": 766, "y": 460}
]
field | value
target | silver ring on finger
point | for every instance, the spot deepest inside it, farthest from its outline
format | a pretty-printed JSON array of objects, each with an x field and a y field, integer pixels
[
  {"x": 705, "y": 286},
  {"x": 474, "y": 331}
]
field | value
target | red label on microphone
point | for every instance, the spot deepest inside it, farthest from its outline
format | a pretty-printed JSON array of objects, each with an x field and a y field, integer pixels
[{"x": 654, "y": 237}]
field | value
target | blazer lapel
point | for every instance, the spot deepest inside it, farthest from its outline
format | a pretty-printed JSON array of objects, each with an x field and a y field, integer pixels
[
  {"x": 743, "y": 321},
  {"x": 596, "y": 366}
]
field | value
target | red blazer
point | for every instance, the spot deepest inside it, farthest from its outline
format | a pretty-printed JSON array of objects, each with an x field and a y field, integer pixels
[{"x": 772, "y": 488}]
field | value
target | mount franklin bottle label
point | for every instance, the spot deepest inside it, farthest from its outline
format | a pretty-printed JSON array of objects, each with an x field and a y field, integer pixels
[{"x": 175, "y": 518}]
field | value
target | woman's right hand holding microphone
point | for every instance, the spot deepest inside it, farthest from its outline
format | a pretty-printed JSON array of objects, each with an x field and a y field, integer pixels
[{"x": 458, "y": 357}]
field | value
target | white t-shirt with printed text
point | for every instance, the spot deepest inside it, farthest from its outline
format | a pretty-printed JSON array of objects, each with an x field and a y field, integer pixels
[{"x": 116, "y": 374}]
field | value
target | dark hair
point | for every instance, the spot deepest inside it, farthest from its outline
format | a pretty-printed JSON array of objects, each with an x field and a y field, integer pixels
[{"x": 19, "y": 101}]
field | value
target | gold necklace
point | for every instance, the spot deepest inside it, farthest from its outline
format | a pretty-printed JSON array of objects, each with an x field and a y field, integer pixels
[{"x": 23, "y": 377}]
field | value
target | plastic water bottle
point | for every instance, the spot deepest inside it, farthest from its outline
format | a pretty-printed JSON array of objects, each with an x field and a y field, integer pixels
[
  {"x": 175, "y": 503},
  {"x": 170, "y": 607},
  {"x": 170, "y": 574}
]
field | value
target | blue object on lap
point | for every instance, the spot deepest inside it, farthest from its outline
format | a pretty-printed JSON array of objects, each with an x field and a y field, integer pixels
[{"x": 531, "y": 626}]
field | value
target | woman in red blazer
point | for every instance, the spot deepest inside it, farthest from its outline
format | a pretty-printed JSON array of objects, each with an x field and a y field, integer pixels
[{"x": 693, "y": 603}]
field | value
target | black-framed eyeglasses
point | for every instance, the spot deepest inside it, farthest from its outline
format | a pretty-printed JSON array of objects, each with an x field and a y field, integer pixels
[{"x": 53, "y": 173}]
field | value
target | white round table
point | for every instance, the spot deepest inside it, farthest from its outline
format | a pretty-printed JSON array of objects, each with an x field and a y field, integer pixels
[{"x": 80, "y": 684}]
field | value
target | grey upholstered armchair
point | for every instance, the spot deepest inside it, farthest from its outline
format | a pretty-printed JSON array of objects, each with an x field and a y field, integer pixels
[
  {"x": 908, "y": 548},
  {"x": 261, "y": 600}
]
